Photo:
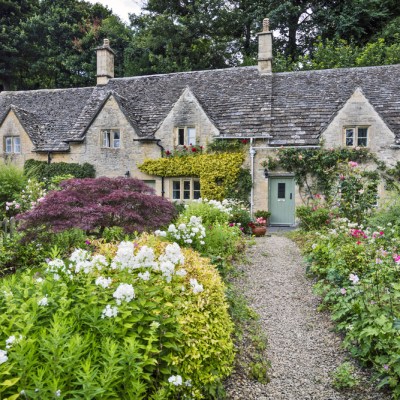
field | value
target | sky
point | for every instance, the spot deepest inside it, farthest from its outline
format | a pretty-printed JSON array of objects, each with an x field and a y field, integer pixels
[{"x": 121, "y": 7}]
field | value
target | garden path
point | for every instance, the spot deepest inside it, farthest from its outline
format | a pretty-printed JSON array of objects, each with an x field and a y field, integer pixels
[{"x": 302, "y": 347}]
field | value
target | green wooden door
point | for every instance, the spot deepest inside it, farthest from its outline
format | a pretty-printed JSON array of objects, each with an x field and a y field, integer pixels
[{"x": 281, "y": 200}]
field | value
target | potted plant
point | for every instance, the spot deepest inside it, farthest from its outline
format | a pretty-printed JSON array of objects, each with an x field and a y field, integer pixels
[
  {"x": 263, "y": 214},
  {"x": 259, "y": 226}
]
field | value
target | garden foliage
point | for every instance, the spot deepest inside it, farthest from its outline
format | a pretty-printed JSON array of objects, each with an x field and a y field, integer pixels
[
  {"x": 12, "y": 182},
  {"x": 357, "y": 270},
  {"x": 94, "y": 204},
  {"x": 44, "y": 172},
  {"x": 147, "y": 321}
]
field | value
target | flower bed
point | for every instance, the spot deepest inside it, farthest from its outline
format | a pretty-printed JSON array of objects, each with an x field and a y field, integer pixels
[
  {"x": 146, "y": 320},
  {"x": 358, "y": 270}
]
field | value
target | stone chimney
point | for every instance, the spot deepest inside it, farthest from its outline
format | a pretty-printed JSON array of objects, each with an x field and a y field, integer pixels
[
  {"x": 265, "y": 49},
  {"x": 105, "y": 63}
]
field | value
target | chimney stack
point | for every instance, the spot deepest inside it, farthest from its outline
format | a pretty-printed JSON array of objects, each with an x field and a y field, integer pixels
[
  {"x": 105, "y": 63},
  {"x": 265, "y": 49}
]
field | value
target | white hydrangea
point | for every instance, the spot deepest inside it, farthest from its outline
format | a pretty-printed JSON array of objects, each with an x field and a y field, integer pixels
[
  {"x": 109, "y": 312},
  {"x": 103, "y": 282},
  {"x": 196, "y": 287},
  {"x": 124, "y": 292},
  {"x": 43, "y": 301},
  {"x": 175, "y": 380},
  {"x": 3, "y": 356},
  {"x": 144, "y": 275}
]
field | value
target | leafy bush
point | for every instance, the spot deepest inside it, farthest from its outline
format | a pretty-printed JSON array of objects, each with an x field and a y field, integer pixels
[
  {"x": 344, "y": 376},
  {"x": 12, "y": 181},
  {"x": 262, "y": 214},
  {"x": 313, "y": 218},
  {"x": 151, "y": 323},
  {"x": 357, "y": 270},
  {"x": 43, "y": 171},
  {"x": 210, "y": 211},
  {"x": 94, "y": 204},
  {"x": 241, "y": 217}
]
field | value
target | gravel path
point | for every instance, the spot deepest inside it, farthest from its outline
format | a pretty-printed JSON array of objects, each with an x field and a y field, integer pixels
[{"x": 302, "y": 347}]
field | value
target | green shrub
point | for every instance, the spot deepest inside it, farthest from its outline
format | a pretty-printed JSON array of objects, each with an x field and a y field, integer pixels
[
  {"x": 211, "y": 212},
  {"x": 12, "y": 181},
  {"x": 43, "y": 171},
  {"x": 344, "y": 376},
  {"x": 313, "y": 218},
  {"x": 241, "y": 217},
  {"x": 79, "y": 330}
]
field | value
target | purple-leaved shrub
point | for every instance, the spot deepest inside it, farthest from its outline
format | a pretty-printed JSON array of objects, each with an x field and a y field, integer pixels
[{"x": 92, "y": 204}]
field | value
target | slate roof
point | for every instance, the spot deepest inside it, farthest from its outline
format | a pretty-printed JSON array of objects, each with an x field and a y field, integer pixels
[{"x": 291, "y": 108}]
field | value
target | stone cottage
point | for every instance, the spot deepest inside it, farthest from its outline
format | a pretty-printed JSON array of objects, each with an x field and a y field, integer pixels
[{"x": 122, "y": 121}]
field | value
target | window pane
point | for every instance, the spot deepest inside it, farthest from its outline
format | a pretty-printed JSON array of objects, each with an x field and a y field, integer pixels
[
  {"x": 281, "y": 190},
  {"x": 8, "y": 145},
  {"x": 116, "y": 139},
  {"x": 349, "y": 137},
  {"x": 106, "y": 139},
  {"x": 17, "y": 145},
  {"x": 191, "y": 136},
  {"x": 181, "y": 136},
  {"x": 196, "y": 190},
  {"x": 150, "y": 183},
  {"x": 176, "y": 190},
  {"x": 362, "y": 136},
  {"x": 186, "y": 190}
]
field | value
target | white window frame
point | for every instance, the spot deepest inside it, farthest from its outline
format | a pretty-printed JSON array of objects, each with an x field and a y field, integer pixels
[
  {"x": 355, "y": 137},
  {"x": 185, "y": 189},
  {"x": 110, "y": 139},
  {"x": 188, "y": 134},
  {"x": 12, "y": 145}
]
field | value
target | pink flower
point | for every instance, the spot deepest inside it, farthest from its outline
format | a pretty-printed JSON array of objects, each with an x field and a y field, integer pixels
[
  {"x": 381, "y": 233},
  {"x": 396, "y": 258},
  {"x": 378, "y": 261},
  {"x": 341, "y": 177},
  {"x": 17, "y": 206},
  {"x": 385, "y": 366},
  {"x": 353, "y": 164},
  {"x": 343, "y": 291}
]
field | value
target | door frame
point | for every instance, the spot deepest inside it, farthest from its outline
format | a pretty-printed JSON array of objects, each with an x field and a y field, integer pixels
[{"x": 270, "y": 208}]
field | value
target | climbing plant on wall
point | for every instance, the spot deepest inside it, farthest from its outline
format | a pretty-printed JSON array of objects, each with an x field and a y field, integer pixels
[
  {"x": 218, "y": 172},
  {"x": 316, "y": 170}
]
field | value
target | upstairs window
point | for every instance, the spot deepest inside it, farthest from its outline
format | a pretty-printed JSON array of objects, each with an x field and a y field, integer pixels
[
  {"x": 12, "y": 144},
  {"x": 185, "y": 136},
  {"x": 356, "y": 136},
  {"x": 185, "y": 189},
  {"x": 111, "y": 138}
]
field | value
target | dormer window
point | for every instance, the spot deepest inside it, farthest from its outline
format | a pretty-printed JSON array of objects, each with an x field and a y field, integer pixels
[
  {"x": 111, "y": 138},
  {"x": 185, "y": 136},
  {"x": 12, "y": 144},
  {"x": 356, "y": 136}
]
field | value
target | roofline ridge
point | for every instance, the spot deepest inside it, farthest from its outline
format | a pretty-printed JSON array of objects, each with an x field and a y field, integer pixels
[{"x": 45, "y": 90}]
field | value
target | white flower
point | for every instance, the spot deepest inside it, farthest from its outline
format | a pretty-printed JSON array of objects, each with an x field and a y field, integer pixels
[
  {"x": 57, "y": 393},
  {"x": 354, "y": 278},
  {"x": 155, "y": 325},
  {"x": 10, "y": 341},
  {"x": 103, "y": 282},
  {"x": 39, "y": 280},
  {"x": 175, "y": 380},
  {"x": 145, "y": 258},
  {"x": 124, "y": 292},
  {"x": 55, "y": 265},
  {"x": 145, "y": 275},
  {"x": 196, "y": 287},
  {"x": 43, "y": 301},
  {"x": 167, "y": 268},
  {"x": 56, "y": 277},
  {"x": 124, "y": 258},
  {"x": 173, "y": 254},
  {"x": 99, "y": 261},
  {"x": 160, "y": 233},
  {"x": 3, "y": 356},
  {"x": 109, "y": 311},
  {"x": 181, "y": 272},
  {"x": 182, "y": 227},
  {"x": 85, "y": 266},
  {"x": 79, "y": 255}
]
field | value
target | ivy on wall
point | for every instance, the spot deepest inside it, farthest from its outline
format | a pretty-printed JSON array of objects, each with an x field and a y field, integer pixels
[{"x": 218, "y": 172}]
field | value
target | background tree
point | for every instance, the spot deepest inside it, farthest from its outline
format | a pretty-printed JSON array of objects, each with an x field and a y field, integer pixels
[{"x": 93, "y": 204}]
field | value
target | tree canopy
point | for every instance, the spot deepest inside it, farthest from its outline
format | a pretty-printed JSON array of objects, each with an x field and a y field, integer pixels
[{"x": 48, "y": 43}]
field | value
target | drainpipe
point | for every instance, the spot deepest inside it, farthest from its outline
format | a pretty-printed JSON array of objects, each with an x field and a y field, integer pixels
[
  {"x": 252, "y": 152},
  {"x": 48, "y": 157},
  {"x": 162, "y": 156}
]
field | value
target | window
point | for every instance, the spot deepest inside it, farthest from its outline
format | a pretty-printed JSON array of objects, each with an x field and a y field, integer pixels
[
  {"x": 12, "y": 144},
  {"x": 356, "y": 136},
  {"x": 186, "y": 136},
  {"x": 111, "y": 138},
  {"x": 185, "y": 189}
]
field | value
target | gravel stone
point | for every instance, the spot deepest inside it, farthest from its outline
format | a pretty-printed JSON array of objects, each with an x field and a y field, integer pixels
[{"x": 303, "y": 348}]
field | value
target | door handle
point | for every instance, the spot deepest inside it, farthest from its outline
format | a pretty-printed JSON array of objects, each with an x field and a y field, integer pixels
[{"x": 291, "y": 196}]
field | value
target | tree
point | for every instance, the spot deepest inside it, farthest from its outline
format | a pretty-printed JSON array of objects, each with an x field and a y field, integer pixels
[{"x": 92, "y": 204}]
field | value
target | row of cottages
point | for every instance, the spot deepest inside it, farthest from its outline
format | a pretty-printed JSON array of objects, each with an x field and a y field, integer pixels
[{"x": 123, "y": 121}]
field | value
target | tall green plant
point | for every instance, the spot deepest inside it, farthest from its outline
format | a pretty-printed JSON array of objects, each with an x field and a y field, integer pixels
[{"x": 12, "y": 181}]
